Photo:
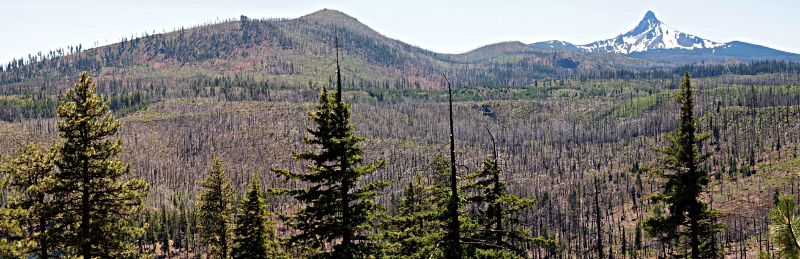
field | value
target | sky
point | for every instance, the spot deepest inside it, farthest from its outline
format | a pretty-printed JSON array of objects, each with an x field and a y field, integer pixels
[{"x": 446, "y": 26}]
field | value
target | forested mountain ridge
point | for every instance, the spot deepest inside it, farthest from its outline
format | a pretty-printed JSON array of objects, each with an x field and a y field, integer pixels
[
  {"x": 566, "y": 137},
  {"x": 249, "y": 59},
  {"x": 292, "y": 52}
]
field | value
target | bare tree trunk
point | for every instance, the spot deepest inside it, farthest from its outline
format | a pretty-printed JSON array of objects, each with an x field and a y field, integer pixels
[
  {"x": 597, "y": 218},
  {"x": 453, "y": 205}
]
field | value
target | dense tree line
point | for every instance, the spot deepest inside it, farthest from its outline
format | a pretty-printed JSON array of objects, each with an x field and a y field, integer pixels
[{"x": 754, "y": 67}]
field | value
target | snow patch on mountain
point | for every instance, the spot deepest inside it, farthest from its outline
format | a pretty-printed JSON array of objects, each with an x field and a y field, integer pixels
[
  {"x": 555, "y": 45},
  {"x": 650, "y": 34}
]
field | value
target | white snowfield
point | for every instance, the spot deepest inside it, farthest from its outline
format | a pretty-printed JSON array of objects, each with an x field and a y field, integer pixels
[{"x": 650, "y": 34}]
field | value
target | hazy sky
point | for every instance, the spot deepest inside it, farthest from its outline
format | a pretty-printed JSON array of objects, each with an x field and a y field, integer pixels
[{"x": 29, "y": 26}]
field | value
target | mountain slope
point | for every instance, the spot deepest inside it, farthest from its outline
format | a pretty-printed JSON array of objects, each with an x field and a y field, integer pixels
[
  {"x": 298, "y": 53},
  {"x": 740, "y": 50},
  {"x": 653, "y": 40},
  {"x": 555, "y": 45},
  {"x": 650, "y": 34}
]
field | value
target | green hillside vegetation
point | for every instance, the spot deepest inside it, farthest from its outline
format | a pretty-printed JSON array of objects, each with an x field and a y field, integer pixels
[
  {"x": 547, "y": 144},
  {"x": 574, "y": 140}
]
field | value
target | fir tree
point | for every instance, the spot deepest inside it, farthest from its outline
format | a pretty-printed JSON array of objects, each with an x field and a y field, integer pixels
[
  {"x": 785, "y": 227},
  {"x": 624, "y": 246},
  {"x": 254, "y": 235},
  {"x": 214, "y": 211},
  {"x": 690, "y": 224},
  {"x": 419, "y": 226},
  {"x": 335, "y": 208},
  {"x": 94, "y": 205},
  {"x": 27, "y": 173},
  {"x": 637, "y": 240},
  {"x": 498, "y": 229},
  {"x": 152, "y": 226},
  {"x": 165, "y": 244}
]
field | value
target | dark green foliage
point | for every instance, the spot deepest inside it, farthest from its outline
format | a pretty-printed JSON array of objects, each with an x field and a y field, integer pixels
[
  {"x": 153, "y": 228},
  {"x": 690, "y": 224},
  {"x": 27, "y": 174},
  {"x": 419, "y": 227},
  {"x": 42, "y": 103},
  {"x": 92, "y": 203},
  {"x": 750, "y": 68},
  {"x": 497, "y": 227},
  {"x": 785, "y": 227},
  {"x": 125, "y": 103},
  {"x": 754, "y": 67},
  {"x": 775, "y": 197},
  {"x": 254, "y": 235},
  {"x": 637, "y": 240},
  {"x": 165, "y": 243},
  {"x": 335, "y": 208},
  {"x": 214, "y": 211},
  {"x": 19, "y": 109}
]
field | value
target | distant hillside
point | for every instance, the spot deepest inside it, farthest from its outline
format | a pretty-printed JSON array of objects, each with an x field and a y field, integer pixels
[
  {"x": 736, "y": 49},
  {"x": 294, "y": 52},
  {"x": 289, "y": 59},
  {"x": 555, "y": 45}
]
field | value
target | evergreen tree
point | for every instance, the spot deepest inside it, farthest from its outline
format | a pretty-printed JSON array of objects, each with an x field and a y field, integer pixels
[
  {"x": 214, "y": 211},
  {"x": 637, "y": 240},
  {"x": 189, "y": 233},
  {"x": 27, "y": 173},
  {"x": 254, "y": 235},
  {"x": 179, "y": 231},
  {"x": 165, "y": 244},
  {"x": 785, "y": 227},
  {"x": 624, "y": 246},
  {"x": 94, "y": 205},
  {"x": 690, "y": 224},
  {"x": 335, "y": 208},
  {"x": 13, "y": 244},
  {"x": 419, "y": 226},
  {"x": 498, "y": 229},
  {"x": 152, "y": 226}
]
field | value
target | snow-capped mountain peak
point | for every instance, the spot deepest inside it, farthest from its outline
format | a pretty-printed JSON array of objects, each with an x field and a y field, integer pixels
[{"x": 650, "y": 34}]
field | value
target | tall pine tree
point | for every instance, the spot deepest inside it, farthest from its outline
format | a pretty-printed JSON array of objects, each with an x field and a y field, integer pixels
[
  {"x": 254, "y": 235},
  {"x": 13, "y": 243},
  {"x": 214, "y": 211},
  {"x": 27, "y": 174},
  {"x": 94, "y": 203},
  {"x": 690, "y": 224},
  {"x": 785, "y": 227},
  {"x": 336, "y": 209}
]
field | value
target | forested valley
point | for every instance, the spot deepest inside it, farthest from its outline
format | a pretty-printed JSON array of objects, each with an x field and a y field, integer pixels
[{"x": 235, "y": 137}]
